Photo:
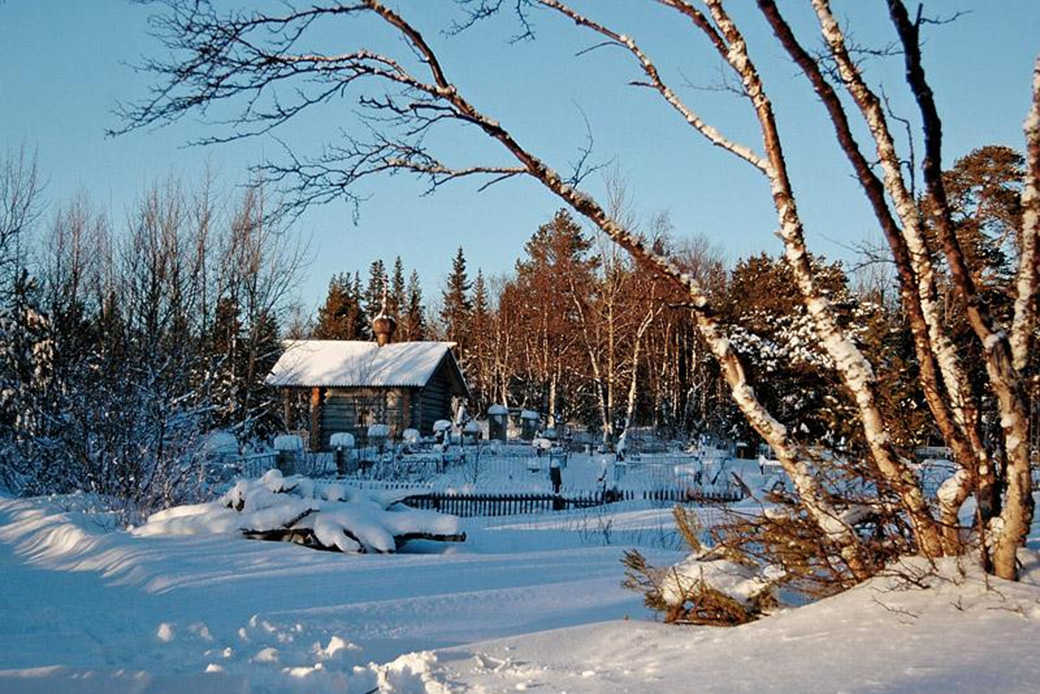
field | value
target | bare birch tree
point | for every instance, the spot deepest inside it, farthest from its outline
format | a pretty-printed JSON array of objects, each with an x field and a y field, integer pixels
[{"x": 20, "y": 191}]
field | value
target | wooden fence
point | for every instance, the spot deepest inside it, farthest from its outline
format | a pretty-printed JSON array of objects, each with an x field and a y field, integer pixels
[{"x": 477, "y": 504}]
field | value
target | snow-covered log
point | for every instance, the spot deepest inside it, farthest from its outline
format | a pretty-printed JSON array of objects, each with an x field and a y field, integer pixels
[{"x": 297, "y": 509}]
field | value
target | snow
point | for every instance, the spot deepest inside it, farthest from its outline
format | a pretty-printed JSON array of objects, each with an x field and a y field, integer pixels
[
  {"x": 497, "y": 410},
  {"x": 348, "y": 363},
  {"x": 528, "y": 603},
  {"x": 342, "y": 439},
  {"x": 696, "y": 573},
  {"x": 541, "y": 443},
  {"x": 219, "y": 443},
  {"x": 288, "y": 442},
  {"x": 530, "y": 414},
  {"x": 349, "y": 520},
  {"x": 378, "y": 431},
  {"x": 441, "y": 425}
]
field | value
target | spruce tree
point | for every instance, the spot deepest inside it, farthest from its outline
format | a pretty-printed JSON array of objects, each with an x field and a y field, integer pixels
[
  {"x": 337, "y": 317},
  {"x": 362, "y": 323},
  {"x": 373, "y": 302},
  {"x": 398, "y": 298},
  {"x": 414, "y": 324},
  {"x": 456, "y": 306},
  {"x": 224, "y": 345},
  {"x": 480, "y": 321}
]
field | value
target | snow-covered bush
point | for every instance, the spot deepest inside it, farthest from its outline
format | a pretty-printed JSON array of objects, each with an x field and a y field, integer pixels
[
  {"x": 711, "y": 586},
  {"x": 300, "y": 510}
]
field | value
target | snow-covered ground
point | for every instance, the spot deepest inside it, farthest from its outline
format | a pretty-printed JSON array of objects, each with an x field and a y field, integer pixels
[{"x": 527, "y": 603}]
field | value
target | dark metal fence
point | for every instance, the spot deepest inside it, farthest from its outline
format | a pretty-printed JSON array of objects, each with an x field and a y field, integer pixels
[{"x": 484, "y": 504}]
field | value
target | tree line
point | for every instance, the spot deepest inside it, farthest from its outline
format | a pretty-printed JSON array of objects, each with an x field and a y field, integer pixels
[
  {"x": 581, "y": 333},
  {"x": 121, "y": 344}
]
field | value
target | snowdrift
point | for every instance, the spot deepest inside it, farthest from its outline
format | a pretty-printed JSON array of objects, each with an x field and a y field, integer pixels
[{"x": 298, "y": 509}]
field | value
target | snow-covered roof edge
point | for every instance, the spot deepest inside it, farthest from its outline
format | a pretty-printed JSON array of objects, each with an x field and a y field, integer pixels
[{"x": 353, "y": 363}]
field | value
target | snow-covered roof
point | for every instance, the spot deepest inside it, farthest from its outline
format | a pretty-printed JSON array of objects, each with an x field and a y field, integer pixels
[{"x": 354, "y": 364}]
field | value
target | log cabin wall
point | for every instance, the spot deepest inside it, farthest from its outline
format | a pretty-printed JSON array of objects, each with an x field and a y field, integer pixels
[
  {"x": 352, "y": 410},
  {"x": 435, "y": 399}
]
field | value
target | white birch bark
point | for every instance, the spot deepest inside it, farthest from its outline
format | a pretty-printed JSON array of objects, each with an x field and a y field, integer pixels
[
  {"x": 852, "y": 366},
  {"x": 1028, "y": 279}
]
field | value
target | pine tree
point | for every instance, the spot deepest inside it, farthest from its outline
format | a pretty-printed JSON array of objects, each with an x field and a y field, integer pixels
[
  {"x": 554, "y": 278},
  {"x": 224, "y": 349},
  {"x": 261, "y": 416},
  {"x": 480, "y": 353},
  {"x": 398, "y": 298},
  {"x": 337, "y": 317},
  {"x": 414, "y": 323},
  {"x": 456, "y": 306},
  {"x": 362, "y": 323},
  {"x": 373, "y": 301}
]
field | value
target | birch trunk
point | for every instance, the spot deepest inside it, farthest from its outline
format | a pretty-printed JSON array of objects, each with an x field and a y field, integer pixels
[
  {"x": 1009, "y": 533},
  {"x": 855, "y": 371}
]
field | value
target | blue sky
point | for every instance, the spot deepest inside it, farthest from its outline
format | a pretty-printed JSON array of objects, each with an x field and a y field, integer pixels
[{"x": 64, "y": 67}]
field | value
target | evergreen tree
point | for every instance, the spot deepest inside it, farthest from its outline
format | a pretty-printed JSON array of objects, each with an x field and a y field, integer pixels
[
  {"x": 398, "y": 297},
  {"x": 261, "y": 414},
  {"x": 224, "y": 349},
  {"x": 481, "y": 357},
  {"x": 338, "y": 316},
  {"x": 552, "y": 281},
  {"x": 772, "y": 329},
  {"x": 373, "y": 301},
  {"x": 414, "y": 324},
  {"x": 984, "y": 192},
  {"x": 456, "y": 306},
  {"x": 362, "y": 322}
]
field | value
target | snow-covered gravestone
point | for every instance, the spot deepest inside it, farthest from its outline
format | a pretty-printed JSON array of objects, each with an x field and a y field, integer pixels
[
  {"x": 289, "y": 448},
  {"x": 342, "y": 444},
  {"x": 498, "y": 422},
  {"x": 472, "y": 430},
  {"x": 529, "y": 424},
  {"x": 410, "y": 436},
  {"x": 378, "y": 434},
  {"x": 442, "y": 430}
]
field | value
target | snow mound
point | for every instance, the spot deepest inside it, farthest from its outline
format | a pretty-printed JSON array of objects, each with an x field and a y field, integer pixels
[
  {"x": 300, "y": 510},
  {"x": 698, "y": 574}
]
